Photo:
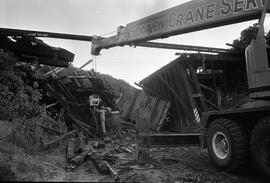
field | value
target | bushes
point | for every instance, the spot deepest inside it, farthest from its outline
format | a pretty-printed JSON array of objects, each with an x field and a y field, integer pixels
[
  {"x": 16, "y": 97},
  {"x": 19, "y": 102}
]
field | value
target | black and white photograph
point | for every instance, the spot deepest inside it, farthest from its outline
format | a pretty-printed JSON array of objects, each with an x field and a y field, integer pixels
[{"x": 151, "y": 91}]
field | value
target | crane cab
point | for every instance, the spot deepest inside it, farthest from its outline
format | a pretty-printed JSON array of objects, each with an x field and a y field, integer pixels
[{"x": 258, "y": 69}]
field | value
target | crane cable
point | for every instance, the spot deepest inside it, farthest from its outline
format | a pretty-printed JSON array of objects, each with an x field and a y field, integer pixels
[
  {"x": 94, "y": 57},
  {"x": 108, "y": 33},
  {"x": 94, "y": 63}
]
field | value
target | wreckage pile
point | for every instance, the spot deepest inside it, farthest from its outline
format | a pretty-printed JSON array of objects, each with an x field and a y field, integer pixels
[
  {"x": 78, "y": 113},
  {"x": 48, "y": 106},
  {"x": 102, "y": 153},
  {"x": 85, "y": 136}
]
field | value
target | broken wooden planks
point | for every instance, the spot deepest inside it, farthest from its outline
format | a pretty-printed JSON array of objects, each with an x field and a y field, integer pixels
[
  {"x": 56, "y": 141},
  {"x": 143, "y": 130},
  {"x": 113, "y": 172},
  {"x": 79, "y": 159}
]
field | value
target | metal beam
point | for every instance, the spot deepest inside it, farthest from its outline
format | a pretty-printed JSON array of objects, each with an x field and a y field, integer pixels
[
  {"x": 77, "y": 77},
  {"x": 181, "y": 47},
  {"x": 192, "y": 16},
  {"x": 185, "y": 18},
  {"x": 84, "y": 65},
  {"x": 175, "y": 140},
  {"x": 30, "y": 33}
]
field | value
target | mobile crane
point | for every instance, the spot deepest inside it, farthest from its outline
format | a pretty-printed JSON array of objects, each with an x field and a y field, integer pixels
[{"x": 230, "y": 135}]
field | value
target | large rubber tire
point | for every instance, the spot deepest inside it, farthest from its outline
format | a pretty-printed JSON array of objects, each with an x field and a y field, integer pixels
[
  {"x": 231, "y": 138},
  {"x": 260, "y": 147}
]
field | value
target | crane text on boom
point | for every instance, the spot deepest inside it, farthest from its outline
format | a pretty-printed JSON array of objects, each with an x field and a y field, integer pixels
[{"x": 195, "y": 14}]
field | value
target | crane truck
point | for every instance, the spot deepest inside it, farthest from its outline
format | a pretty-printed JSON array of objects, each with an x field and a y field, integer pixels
[{"x": 231, "y": 136}]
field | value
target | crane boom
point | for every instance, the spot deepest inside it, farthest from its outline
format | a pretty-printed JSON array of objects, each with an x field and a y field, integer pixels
[
  {"x": 188, "y": 17},
  {"x": 181, "y": 47},
  {"x": 30, "y": 33}
]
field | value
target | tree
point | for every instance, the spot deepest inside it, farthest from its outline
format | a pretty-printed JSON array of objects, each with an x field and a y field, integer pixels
[{"x": 246, "y": 36}]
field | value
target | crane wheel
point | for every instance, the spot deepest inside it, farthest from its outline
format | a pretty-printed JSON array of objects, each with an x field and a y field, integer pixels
[
  {"x": 227, "y": 145},
  {"x": 260, "y": 146}
]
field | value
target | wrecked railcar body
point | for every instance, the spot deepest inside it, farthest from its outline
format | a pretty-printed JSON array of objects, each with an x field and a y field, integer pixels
[
  {"x": 71, "y": 94},
  {"x": 196, "y": 84}
]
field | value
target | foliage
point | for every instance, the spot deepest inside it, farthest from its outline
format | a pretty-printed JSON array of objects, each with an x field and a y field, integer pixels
[
  {"x": 246, "y": 36},
  {"x": 16, "y": 97},
  {"x": 19, "y": 101},
  {"x": 118, "y": 85}
]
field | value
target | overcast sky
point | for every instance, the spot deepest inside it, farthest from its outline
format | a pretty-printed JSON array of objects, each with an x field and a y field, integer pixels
[{"x": 99, "y": 17}]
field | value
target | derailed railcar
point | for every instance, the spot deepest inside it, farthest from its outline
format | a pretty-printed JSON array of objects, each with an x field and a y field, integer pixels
[
  {"x": 196, "y": 84},
  {"x": 211, "y": 108}
]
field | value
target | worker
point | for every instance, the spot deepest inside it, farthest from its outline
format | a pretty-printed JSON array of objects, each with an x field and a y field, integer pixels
[
  {"x": 102, "y": 117},
  {"x": 98, "y": 106}
]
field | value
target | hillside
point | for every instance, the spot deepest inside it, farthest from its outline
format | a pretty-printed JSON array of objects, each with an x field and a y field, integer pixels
[{"x": 123, "y": 90}]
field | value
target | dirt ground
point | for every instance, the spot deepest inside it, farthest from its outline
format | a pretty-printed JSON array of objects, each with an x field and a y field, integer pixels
[
  {"x": 176, "y": 165},
  {"x": 169, "y": 165}
]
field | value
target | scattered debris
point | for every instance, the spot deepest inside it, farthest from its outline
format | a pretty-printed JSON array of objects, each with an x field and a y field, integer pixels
[
  {"x": 98, "y": 145},
  {"x": 100, "y": 164},
  {"x": 79, "y": 159},
  {"x": 54, "y": 142},
  {"x": 113, "y": 173},
  {"x": 98, "y": 139}
]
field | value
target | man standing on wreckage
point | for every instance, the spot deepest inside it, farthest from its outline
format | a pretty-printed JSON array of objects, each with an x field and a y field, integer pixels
[{"x": 99, "y": 107}]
